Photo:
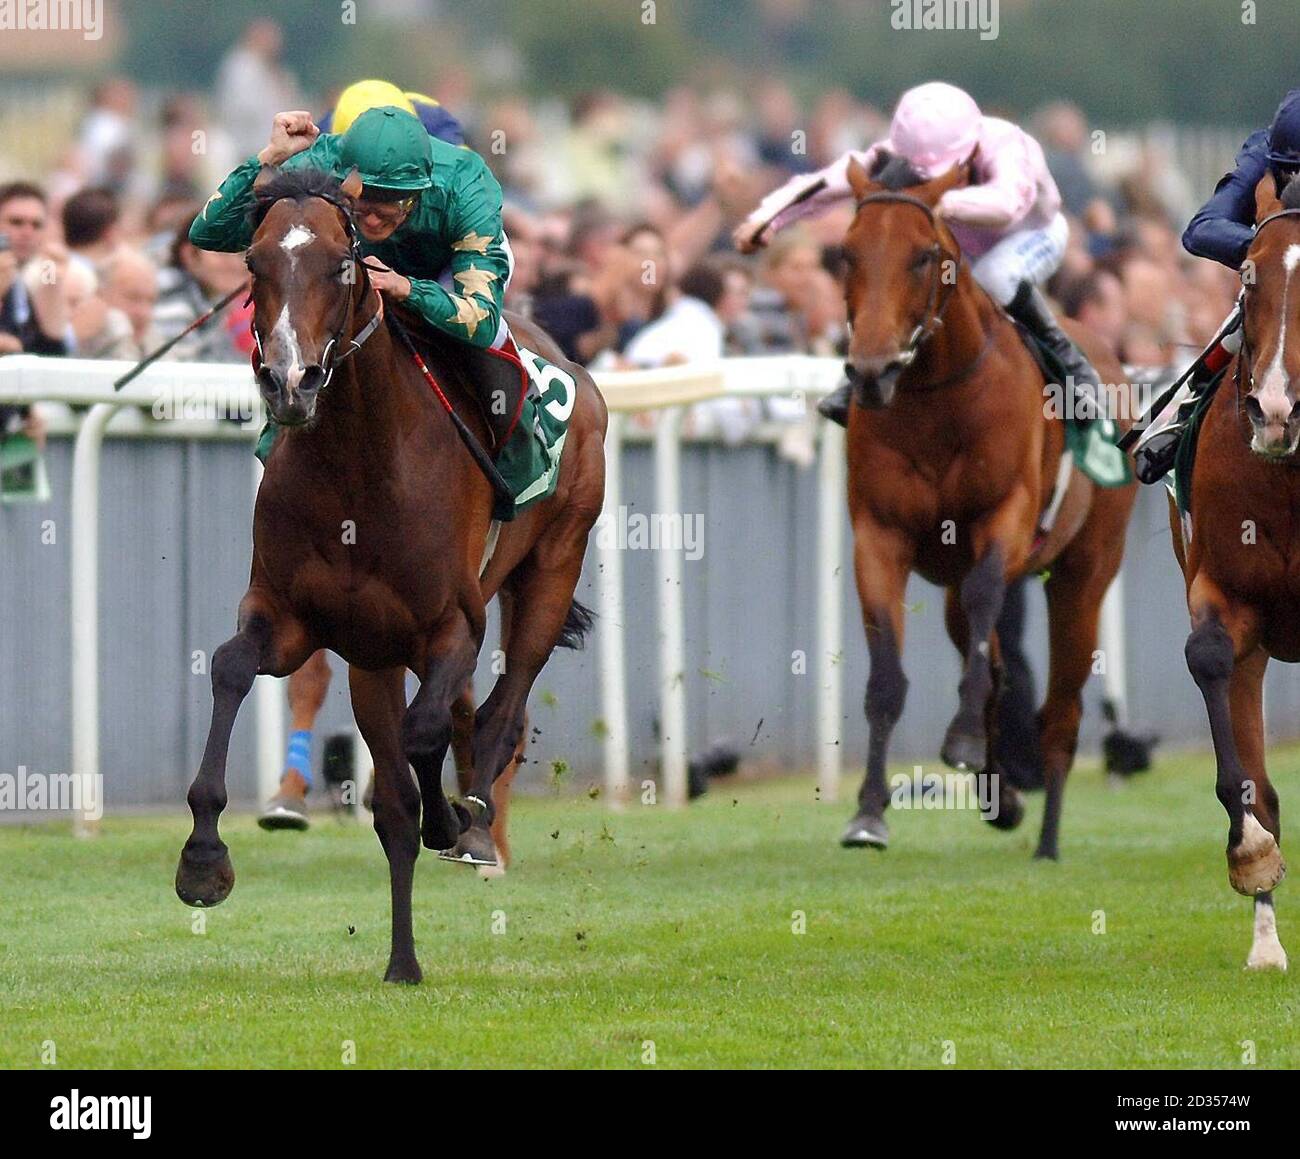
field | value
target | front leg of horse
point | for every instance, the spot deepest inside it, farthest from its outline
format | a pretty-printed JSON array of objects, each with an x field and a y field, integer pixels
[
  {"x": 205, "y": 876},
  {"x": 1255, "y": 864},
  {"x": 886, "y": 695},
  {"x": 965, "y": 746}
]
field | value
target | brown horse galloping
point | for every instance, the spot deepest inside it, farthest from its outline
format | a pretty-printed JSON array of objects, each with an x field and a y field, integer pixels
[
  {"x": 1242, "y": 561},
  {"x": 952, "y": 458},
  {"x": 368, "y": 539}
]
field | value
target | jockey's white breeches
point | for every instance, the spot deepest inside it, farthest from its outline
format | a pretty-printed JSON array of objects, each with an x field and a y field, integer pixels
[{"x": 1031, "y": 255}]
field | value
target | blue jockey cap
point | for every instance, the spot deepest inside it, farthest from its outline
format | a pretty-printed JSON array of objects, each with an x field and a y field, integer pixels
[{"x": 1284, "y": 134}]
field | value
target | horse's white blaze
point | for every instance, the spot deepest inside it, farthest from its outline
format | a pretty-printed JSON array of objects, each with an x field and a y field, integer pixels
[
  {"x": 298, "y": 236},
  {"x": 1272, "y": 389},
  {"x": 285, "y": 338},
  {"x": 1266, "y": 952}
]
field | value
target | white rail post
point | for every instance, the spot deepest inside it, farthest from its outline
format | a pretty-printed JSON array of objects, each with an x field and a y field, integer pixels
[
  {"x": 1115, "y": 677},
  {"x": 670, "y": 600},
  {"x": 830, "y": 553},
  {"x": 84, "y": 603},
  {"x": 269, "y": 698},
  {"x": 612, "y": 627}
]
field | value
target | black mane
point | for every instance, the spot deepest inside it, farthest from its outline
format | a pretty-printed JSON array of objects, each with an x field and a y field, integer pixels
[
  {"x": 297, "y": 184},
  {"x": 895, "y": 172}
]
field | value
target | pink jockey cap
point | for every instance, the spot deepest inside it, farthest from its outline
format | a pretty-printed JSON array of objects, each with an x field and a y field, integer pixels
[{"x": 935, "y": 126}]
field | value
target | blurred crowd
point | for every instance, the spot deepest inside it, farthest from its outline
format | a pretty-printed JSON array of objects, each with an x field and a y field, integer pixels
[{"x": 619, "y": 214}]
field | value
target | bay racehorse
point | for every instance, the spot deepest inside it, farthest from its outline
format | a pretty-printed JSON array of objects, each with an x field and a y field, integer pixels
[
  {"x": 1242, "y": 557},
  {"x": 952, "y": 458},
  {"x": 369, "y": 534}
]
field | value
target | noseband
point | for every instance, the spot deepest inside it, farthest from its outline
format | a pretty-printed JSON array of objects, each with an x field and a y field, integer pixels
[
  {"x": 937, "y": 300},
  {"x": 329, "y": 359}
]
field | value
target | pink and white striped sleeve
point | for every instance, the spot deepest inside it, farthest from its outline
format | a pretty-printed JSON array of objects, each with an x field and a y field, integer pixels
[{"x": 809, "y": 194}]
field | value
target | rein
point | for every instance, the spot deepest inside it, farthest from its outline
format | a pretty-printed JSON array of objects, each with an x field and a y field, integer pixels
[{"x": 936, "y": 300}]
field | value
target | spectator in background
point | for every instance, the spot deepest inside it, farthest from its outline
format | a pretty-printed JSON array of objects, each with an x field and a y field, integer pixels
[
  {"x": 181, "y": 176},
  {"x": 35, "y": 322},
  {"x": 193, "y": 282},
  {"x": 91, "y": 227},
  {"x": 106, "y": 143},
  {"x": 130, "y": 287},
  {"x": 33, "y": 310},
  {"x": 252, "y": 86},
  {"x": 98, "y": 331},
  {"x": 1097, "y": 300}
]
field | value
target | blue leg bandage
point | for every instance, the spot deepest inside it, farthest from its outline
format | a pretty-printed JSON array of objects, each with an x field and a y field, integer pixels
[{"x": 298, "y": 757}]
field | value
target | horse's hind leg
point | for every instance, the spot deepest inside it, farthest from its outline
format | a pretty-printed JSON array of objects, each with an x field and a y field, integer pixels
[
  {"x": 378, "y": 702},
  {"x": 881, "y": 564},
  {"x": 205, "y": 876},
  {"x": 965, "y": 745},
  {"x": 540, "y": 599},
  {"x": 1000, "y": 803},
  {"x": 427, "y": 727}
]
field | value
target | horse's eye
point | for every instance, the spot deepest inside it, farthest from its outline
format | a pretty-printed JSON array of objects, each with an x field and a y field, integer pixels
[{"x": 922, "y": 261}]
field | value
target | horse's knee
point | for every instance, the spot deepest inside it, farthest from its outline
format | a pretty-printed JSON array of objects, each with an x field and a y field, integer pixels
[
  {"x": 426, "y": 733},
  {"x": 1209, "y": 653},
  {"x": 234, "y": 666},
  {"x": 886, "y": 694}
]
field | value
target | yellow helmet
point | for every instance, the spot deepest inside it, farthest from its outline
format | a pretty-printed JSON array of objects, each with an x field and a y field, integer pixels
[{"x": 367, "y": 94}]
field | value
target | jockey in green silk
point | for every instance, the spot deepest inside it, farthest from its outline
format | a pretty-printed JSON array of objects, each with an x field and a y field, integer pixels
[{"x": 429, "y": 216}]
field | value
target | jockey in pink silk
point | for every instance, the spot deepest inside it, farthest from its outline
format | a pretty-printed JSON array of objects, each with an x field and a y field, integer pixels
[{"x": 1008, "y": 220}]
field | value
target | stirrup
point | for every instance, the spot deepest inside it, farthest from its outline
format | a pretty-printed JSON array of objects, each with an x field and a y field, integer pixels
[{"x": 1155, "y": 454}]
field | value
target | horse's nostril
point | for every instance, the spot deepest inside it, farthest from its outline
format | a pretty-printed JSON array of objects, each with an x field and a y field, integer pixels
[
  {"x": 1254, "y": 410},
  {"x": 313, "y": 378},
  {"x": 269, "y": 379}
]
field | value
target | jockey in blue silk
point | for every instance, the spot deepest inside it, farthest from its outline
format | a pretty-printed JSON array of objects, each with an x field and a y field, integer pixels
[{"x": 1222, "y": 230}]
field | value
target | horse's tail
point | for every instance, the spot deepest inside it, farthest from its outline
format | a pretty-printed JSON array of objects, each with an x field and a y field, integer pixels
[{"x": 576, "y": 626}]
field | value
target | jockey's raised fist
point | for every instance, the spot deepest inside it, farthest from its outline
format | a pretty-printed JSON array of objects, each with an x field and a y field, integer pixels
[{"x": 291, "y": 133}]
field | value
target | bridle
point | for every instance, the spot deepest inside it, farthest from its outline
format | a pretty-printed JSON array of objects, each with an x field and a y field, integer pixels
[
  {"x": 938, "y": 298},
  {"x": 1247, "y": 357},
  {"x": 330, "y": 358}
]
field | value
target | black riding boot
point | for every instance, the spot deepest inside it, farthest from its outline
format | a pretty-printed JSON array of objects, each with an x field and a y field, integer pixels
[
  {"x": 835, "y": 406},
  {"x": 1030, "y": 309}
]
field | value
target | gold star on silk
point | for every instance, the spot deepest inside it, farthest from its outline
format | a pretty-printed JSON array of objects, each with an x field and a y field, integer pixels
[
  {"x": 468, "y": 313},
  {"x": 472, "y": 243},
  {"x": 475, "y": 282}
]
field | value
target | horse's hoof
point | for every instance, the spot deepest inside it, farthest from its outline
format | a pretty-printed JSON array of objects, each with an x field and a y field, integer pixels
[
  {"x": 866, "y": 832},
  {"x": 285, "y": 811},
  {"x": 964, "y": 752},
  {"x": 204, "y": 878},
  {"x": 487, "y": 872},
  {"x": 1256, "y": 865},
  {"x": 407, "y": 972},
  {"x": 1011, "y": 811},
  {"x": 1047, "y": 853},
  {"x": 474, "y": 847},
  {"x": 440, "y": 826},
  {"x": 1267, "y": 957}
]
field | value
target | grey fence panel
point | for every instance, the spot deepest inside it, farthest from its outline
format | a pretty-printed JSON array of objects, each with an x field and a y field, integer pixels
[{"x": 175, "y": 550}]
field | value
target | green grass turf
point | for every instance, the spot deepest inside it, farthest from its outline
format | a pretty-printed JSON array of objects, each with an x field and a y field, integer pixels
[{"x": 670, "y": 927}]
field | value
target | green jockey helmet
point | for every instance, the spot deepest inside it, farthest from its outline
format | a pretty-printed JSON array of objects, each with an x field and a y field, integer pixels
[{"x": 389, "y": 149}]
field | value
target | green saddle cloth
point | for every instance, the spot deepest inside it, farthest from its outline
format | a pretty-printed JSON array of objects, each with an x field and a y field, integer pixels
[
  {"x": 1179, "y": 480},
  {"x": 530, "y": 462},
  {"x": 1093, "y": 443}
]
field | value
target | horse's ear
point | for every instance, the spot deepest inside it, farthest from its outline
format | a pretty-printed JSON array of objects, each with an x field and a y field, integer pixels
[
  {"x": 859, "y": 182},
  {"x": 956, "y": 178},
  {"x": 352, "y": 184},
  {"x": 1267, "y": 202},
  {"x": 264, "y": 176}
]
